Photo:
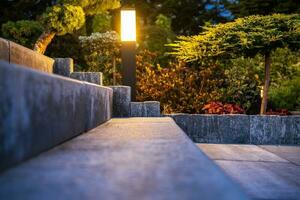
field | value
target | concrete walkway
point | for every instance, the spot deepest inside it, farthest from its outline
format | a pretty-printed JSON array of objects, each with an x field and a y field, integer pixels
[
  {"x": 265, "y": 172},
  {"x": 133, "y": 158}
]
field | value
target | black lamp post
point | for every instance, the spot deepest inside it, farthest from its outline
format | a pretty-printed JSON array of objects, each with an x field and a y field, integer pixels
[{"x": 128, "y": 49}]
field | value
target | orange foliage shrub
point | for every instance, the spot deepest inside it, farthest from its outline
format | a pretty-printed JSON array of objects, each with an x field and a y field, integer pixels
[
  {"x": 220, "y": 108},
  {"x": 178, "y": 87}
]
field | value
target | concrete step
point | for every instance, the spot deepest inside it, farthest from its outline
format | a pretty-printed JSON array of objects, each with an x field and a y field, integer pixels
[{"x": 132, "y": 158}]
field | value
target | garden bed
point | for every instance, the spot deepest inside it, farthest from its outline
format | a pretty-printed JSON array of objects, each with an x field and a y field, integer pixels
[{"x": 240, "y": 129}]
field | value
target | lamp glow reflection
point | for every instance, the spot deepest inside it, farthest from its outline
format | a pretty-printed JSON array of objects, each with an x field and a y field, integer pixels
[{"x": 128, "y": 25}]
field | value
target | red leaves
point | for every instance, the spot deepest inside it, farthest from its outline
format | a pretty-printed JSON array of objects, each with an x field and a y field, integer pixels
[
  {"x": 281, "y": 112},
  {"x": 215, "y": 107}
]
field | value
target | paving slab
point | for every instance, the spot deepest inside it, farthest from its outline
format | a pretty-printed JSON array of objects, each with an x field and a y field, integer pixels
[
  {"x": 132, "y": 158},
  {"x": 290, "y": 153},
  {"x": 239, "y": 152},
  {"x": 264, "y": 172},
  {"x": 265, "y": 180}
]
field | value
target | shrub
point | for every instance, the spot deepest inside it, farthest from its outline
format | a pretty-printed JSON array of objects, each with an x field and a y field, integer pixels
[
  {"x": 286, "y": 96},
  {"x": 58, "y": 20},
  {"x": 220, "y": 108},
  {"x": 241, "y": 85},
  {"x": 244, "y": 37},
  {"x": 24, "y": 32},
  {"x": 62, "y": 19},
  {"x": 179, "y": 87},
  {"x": 100, "y": 50},
  {"x": 155, "y": 37}
]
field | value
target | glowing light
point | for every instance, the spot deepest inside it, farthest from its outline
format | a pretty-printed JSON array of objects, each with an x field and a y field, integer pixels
[{"x": 128, "y": 25}]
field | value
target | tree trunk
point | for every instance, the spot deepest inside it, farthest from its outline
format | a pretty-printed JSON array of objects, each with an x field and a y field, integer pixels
[
  {"x": 89, "y": 24},
  {"x": 43, "y": 41},
  {"x": 264, "y": 102}
]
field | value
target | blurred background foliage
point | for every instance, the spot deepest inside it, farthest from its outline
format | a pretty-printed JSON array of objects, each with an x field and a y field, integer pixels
[{"x": 179, "y": 86}]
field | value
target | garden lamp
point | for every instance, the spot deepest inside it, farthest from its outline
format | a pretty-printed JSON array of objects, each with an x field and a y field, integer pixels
[{"x": 128, "y": 49}]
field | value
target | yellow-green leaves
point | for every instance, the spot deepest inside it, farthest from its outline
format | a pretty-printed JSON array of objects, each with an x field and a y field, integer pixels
[
  {"x": 243, "y": 37},
  {"x": 93, "y": 7},
  {"x": 63, "y": 19}
]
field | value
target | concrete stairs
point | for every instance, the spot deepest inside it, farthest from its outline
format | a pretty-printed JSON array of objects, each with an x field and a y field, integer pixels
[{"x": 132, "y": 158}]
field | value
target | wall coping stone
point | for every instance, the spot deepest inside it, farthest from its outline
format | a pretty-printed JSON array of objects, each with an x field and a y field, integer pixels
[
  {"x": 39, "y": 111},
  {"x": 18, "y": 54},
  {"x": 240, "y": 128}
]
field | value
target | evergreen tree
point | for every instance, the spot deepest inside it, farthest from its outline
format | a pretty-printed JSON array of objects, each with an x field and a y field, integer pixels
[
  {"x": 244, "y": 37},
  {"x": 14, "y": 10},
  {"x": 92, "y": 8},
  {"x": 58, "y": 20},
  {"x": 244, "y": 8}
]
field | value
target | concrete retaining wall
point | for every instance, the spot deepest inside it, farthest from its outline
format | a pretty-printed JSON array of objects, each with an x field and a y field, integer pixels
[
  {"x": 145, "y": 109},
  {"x": 17, "y": 54},
  {"x": 39, "y": 111},
  {"x": 240, "y": 129}
]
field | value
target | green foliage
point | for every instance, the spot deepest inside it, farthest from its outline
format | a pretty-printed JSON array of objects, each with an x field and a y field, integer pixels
[
  {"x": 163, "y": 22},
  {"x": 63, "y": 19},
  {"x": 23, "y": 32},
  {"x": 100, "y": 50},
  {"x": 187, "y": 16},
  {"x": 15, "y": 10},
  {"x": 286, "y": 96},
  {"x": 155, "y": 37},
  {"x": 67, "y": 46},
  {"x": 285, "y": 66},
  {"x": 245, "y": 36},
  {"x": 241, "y": 85},
  {"x": 184, "y": 88},
  {"x": 243, "y": 8},
  {"x": 93, "y": 7},
  {"x": 102, "y": 23}
]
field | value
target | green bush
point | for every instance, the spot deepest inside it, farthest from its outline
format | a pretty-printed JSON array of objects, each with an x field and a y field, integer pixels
[
  {"x": 63, "y": 19},
  {"x": 241, "y": 86},
  {"x": 100, "y": 50},
  {"x": 155, "y": 37},
  {"x": 286, "y": 96},
  {"x": 24, "y": 32},
  {"x": 102, "y": 23}
]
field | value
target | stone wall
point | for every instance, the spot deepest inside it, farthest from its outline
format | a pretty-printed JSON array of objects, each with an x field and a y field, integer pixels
[
  {"x": 240, "y": 129},
  {"x": 40, "y": 110},
  {"x": 17, "y": 54}
]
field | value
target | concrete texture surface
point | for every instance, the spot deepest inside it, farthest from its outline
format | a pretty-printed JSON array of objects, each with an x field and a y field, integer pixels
[
  {"x": 121, "y": 101},
  {"x": 215, "y": 128},
  {"x": 137, "y": 109},
  {"x": 63, "y": 66},
  {"x": 290, "y": 153},
  {"x": 239, "y": 153},
  {"x": 240, "y": 129},
  {"x": 91, "y": 77},
  {"x": 132, "y": 158},
  {"x": 17, "y": 54},
  {"x": 264, "y": 172},
  {"x": 275, "y": 129},
  {"x": 39, "y": 111},
  {"x": 152, "y": 108},
  {"x": 145, "y": 109}
]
